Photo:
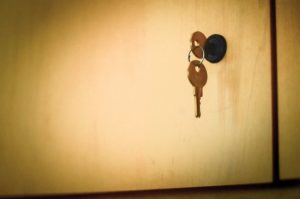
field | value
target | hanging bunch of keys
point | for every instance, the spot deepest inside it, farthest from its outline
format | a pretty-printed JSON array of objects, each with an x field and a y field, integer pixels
[
  {"x": 213, "y": 49},
  {"x": 197, "y": 73}
]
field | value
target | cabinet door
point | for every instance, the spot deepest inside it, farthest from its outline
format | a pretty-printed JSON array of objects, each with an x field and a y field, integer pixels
[
  {"x": 95, "y": 96},
  {"x": 288, "y": 31}
]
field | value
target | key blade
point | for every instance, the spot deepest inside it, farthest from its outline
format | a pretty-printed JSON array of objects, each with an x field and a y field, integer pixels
[{"x": 197, "y": 96}]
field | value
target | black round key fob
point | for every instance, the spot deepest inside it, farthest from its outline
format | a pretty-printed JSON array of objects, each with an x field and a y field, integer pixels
[{"x": 215, "y": 48}]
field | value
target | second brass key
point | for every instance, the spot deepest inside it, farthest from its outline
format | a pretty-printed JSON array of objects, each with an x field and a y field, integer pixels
[{"x": 197, "y": 75}]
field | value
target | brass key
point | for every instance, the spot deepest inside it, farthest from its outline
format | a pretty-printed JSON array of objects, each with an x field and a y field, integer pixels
[
  {"x": 198, "y": 40},
  {"x": 197, "y": 75}
]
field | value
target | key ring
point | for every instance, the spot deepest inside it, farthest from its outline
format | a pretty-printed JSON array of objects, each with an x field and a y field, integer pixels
[{"x": 203, "y": 54}]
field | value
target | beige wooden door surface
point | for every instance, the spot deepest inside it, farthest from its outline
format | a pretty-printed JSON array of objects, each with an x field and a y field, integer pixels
[
  {"x": 94, "y": 96},
  {"x": 288, "y": 30}
]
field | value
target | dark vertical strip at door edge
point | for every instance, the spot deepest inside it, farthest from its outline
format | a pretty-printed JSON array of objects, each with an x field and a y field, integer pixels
[{"x": 275, "y": 135}]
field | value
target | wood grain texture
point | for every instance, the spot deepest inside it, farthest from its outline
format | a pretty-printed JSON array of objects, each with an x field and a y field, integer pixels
[
  {"x": 94, "y": 96},
  {"x": 288, "y": 31}
]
